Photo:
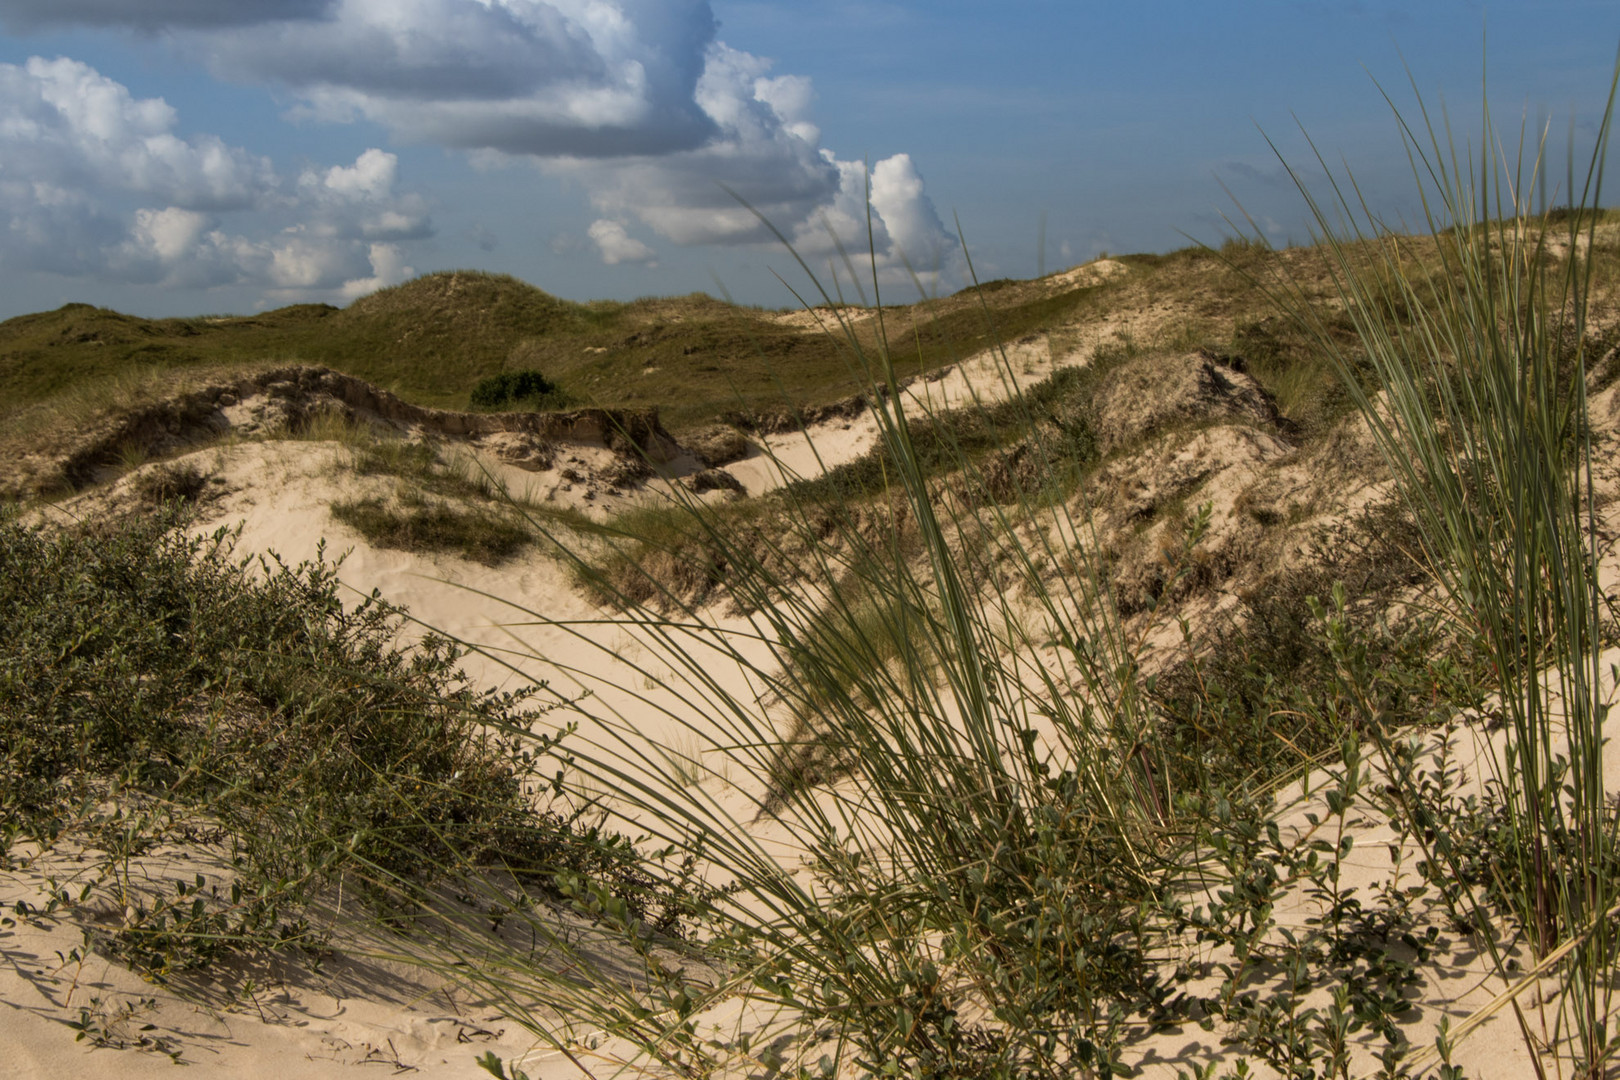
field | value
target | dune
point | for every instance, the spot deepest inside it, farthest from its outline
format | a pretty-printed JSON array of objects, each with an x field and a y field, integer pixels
[{"x": 1203, "y": 493}]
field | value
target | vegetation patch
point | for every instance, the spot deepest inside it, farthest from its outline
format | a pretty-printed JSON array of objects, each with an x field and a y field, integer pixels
[
  {"x": 181, "y": 482},
  {"x": 424, "y": 466},
  {"x": 1052, "y": 418},
  {"x": 1048, "y": 846},
  {"x": 157, "y": 691},
  {"x": 1265, "y": 692},
  {"x": 412, "y": 523},
  {"x": 694, "y": 356},
  {"x": 528, "y": 388},
  {"x": 1049, "y": 849}
]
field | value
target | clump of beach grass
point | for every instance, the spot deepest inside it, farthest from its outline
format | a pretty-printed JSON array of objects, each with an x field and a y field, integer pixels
[
  {"x": 1479, "y": 362},
  {"x": 411, "y": 522},
  {"x": 992, "y": 854},
  {"x": 443, "y": 499},
  {"x": 979, "y": 809},
  {"x": 171, "y": 482}
]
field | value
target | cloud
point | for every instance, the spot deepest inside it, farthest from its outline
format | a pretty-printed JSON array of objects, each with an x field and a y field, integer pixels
[
  {"x": 65, "y": 123},
  {"x": 915, "y": 232},
  {"x": 618, "y": 246},
  {"x": 765, "y": 165},
  {"x": 758, "y": 153},
  {"x": 371, "y": 176},
  {"x": 574, "y": 77},
  {"x": 388, "y": 268},
  {"x": 169, "y": 234},
  {"x": 361, "y": 198},
  {"x": 155, "y": 14},
  {"x": 638, "y": 101},
  {"x": 94, "y": 183}
]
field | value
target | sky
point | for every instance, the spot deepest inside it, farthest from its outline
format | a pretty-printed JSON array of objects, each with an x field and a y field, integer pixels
[{"x": 184, "y": 157}]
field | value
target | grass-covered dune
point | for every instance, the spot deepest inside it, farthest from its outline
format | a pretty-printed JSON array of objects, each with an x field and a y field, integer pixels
[
  {"x": 74, "y": 377},
  {"x": 432, "y": 339}
]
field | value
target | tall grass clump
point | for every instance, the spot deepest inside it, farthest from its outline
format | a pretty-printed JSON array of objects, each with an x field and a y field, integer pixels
[
  {"x": 1477, "y": 345},
  {"x": 951, "y": 841}
]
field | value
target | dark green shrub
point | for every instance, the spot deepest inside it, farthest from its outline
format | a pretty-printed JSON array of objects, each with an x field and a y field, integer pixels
[{"x": 510, "y": 388}]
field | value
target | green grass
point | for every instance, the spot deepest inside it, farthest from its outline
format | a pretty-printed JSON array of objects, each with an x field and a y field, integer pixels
[
  {"x": 1261, "y": 694},
  {"x": 433, "y": 340},
  {"x": 424, "y": 465},
  {"x": 963, "y": 441},
  {"x": 659, "y": 555},
  {"x": 991, "y": 888},
  {"x": 170, "y": 482},
  {"x": 1480, "y": 365},
  {"x": 443, "y": 500}
]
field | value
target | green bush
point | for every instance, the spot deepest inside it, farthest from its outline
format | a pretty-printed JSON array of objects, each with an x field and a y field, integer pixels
[{"x": 512, "y": 388}]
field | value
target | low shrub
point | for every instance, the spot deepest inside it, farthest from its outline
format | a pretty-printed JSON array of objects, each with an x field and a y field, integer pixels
[
  {"x": 156, "y": 690},
  {"x": 513, "y": 388}
]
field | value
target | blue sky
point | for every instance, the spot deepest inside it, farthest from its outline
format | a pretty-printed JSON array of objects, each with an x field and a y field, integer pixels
[{"x": 186, "y": 156}]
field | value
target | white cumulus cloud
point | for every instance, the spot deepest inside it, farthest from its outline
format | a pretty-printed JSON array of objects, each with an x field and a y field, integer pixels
[
  {"x": 766, "y": 162},
  {"x": 94, "y": 182},
  {"x": 659, "y": 121},
  {"x": 387, "y": 268},
  {"x": 898, "y": 199},
  {"x": 168, "y": 234},
  {"x": 617, "y": 245},
  {"x": 361, "y": 197},
  {"x": 66, "y": 123},
  {"x": 371, "y": 176}
]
